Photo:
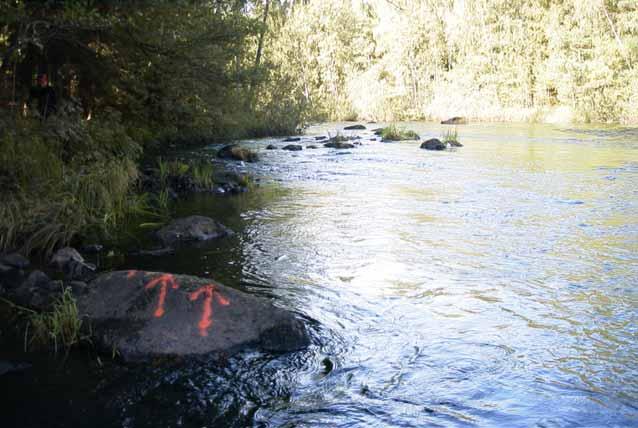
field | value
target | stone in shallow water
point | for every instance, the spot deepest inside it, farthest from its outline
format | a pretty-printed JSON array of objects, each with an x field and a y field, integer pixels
[
  {"x": 433, "y": 144},
  {"x": 193, "y": 228},
  {"x": 148, "y": 314}
]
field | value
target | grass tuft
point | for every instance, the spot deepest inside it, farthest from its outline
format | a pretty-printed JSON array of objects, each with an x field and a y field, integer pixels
[
  {"x": 61, "y": 328},
  {"x": 393, "y": 133}
]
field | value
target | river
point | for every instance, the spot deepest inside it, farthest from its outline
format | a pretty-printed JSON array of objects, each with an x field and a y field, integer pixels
[{"x": 491, "y": 285}]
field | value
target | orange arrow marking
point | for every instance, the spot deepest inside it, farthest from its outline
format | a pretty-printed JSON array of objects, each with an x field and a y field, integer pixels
[
  {"x": 165, "y": 281},
  {"x": 207, "y": 314}
]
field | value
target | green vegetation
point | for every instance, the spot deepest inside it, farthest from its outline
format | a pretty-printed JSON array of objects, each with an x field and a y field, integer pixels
[
  {"x": 483, "y": 59},
  {"x": 451, "y": 137},
  {"x": 393, "y": 133},
  {"x": 60, "y": 328},
  {"x": 202, "y": 173}
]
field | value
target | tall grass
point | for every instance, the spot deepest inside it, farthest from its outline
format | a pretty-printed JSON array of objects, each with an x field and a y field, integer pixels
[
  {"x": 202, "y": 173},
  {"x": 62, "y": 179},
  {"x": 394, "y": 133},
  {"x": 60, "y": 328},
  {"x": 451, "y": 136}
]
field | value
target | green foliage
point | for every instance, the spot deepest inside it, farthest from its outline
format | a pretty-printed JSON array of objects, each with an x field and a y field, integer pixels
[
  {"x": 450, "y": 136},
  {"x": 202, "y": 173},
  {"x": 62, "y": 179},
  {"x": 484, "y": 59},
  {"x": 393, "y": 133},
  {"x": 61, "y": 328}
]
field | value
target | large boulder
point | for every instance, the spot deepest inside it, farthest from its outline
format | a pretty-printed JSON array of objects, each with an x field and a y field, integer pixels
[
  {"x": 147, "y": 314},
  {"x": 434, "y": 144},
  {"x": 193, "y": 228},
  {"x": 456, "y": 120}
]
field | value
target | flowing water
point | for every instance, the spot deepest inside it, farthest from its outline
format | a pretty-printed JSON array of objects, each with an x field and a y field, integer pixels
[{"x": 492, "y": 285}]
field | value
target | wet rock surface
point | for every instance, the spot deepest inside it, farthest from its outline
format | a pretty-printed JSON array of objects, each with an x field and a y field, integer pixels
[
  {"x": 339, "y": 145},
  {"x": 355, "y": 127},
  {"x": 148, "y": 314},
  {"x": 292, "y": 147},
  {"x": 456, "y": 120},
  {"x": 193, "y": 228},
  {"x": 434, "y": 144}
]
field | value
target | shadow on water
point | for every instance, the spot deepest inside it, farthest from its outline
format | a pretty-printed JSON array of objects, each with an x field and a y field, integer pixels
[{"x": 492, "y": 285}]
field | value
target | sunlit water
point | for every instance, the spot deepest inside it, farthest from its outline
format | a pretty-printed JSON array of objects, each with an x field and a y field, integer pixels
[{"x": 493, "y": 285}]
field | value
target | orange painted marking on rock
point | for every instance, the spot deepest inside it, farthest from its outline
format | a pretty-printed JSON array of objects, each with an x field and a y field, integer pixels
[
  {"x": 164, "y": 281},
  {"x": 206, "y": 321}
]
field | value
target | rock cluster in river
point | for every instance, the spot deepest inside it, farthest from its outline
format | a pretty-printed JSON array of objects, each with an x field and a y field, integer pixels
[{"x": 34, "y": 288}]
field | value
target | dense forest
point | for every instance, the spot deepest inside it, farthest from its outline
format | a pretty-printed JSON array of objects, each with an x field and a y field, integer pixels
[{"x": 132, "y": 76}]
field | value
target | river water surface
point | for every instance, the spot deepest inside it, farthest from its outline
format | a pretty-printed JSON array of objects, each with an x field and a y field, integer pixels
[{"x": 492, "y": 285}]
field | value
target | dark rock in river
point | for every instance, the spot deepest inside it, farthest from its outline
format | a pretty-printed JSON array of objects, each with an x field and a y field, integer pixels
[
  {"x": 291, "y": 139},
  {"x": 69, "y": 261},
  {"x": 9, "y": 367},
  {"x": 146, "y": 314},
  {"x": 35, "y": 291},
  {"x": 312, "y": 146},
  {"x": 339, "y": 145},
  {"x": 433, "y": 144},
  {"x": 354, "y": 127},
  {"x": 378, "y": 131},
  {"x": 193, "y": 228},
  {"x": 292, "y": 147},
  {"x": 235, "y": 152},
  {"x": 455, "y": 144},
  {"x": 321, "y": 137},
  {"x": 271, "y": 147},
  {"x": 15, "y": 260},
  {"x": 456, "y": 120}
]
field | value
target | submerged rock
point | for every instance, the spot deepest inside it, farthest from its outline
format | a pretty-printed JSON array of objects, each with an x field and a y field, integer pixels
[
  {"x": 158, "y": 252},
  {"x": 146, "y": 314},
  {"x": 339, "y": 145},
  {"x": 291, "y": 139},
  {"x": 292, "y": 147},
  {"x": 312, "y": 146},
  {"x": 354, "y": 127},
  {"x": 10, "y": 367},
  {"x": 456, "y": 120},
  {"x": 193, "y": 228},
  {"x": 271, "y": 147},
  {"x": 433, "y": 144},
  {"x": 321, "y": 137}
]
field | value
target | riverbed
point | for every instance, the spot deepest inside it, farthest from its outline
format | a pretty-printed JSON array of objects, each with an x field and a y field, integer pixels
[{"x": 489, "y": 285}]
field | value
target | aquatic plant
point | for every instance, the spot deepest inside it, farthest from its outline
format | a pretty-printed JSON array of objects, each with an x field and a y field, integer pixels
[
  {"x": 451, "y": 137},
  {"x": 59, "y": 328},
  {"x": 394, "y": 133},
  {"x": 202, "y": 173}
]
